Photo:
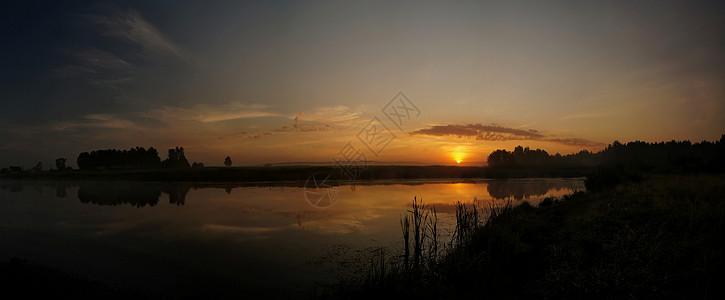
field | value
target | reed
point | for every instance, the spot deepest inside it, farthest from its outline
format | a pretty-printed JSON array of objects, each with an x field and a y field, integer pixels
[
  {"x": 466, "y": 222},
  {"x": 377, "y": 272},
  {"x": 425, "y": 237},
  {"x": 660, "y": 239},
  {"x": 420, "y": 218},
  {"x": 405, "y": 226},
  {"x": 433, "y": 229}
]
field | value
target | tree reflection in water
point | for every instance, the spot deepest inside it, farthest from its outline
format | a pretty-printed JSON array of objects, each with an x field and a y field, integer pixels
[
  {"x": 138, "y": 194},
  {"x": 524, "y": 189}
]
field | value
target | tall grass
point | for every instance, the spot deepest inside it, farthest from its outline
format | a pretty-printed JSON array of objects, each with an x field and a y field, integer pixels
[
  {"x": 405, "y": 225},
  {"x": 425, "y": 239},
  {"x": 433, "y": 233},
  {"x": 420, "y": 218},
  {"x": 420, "y": 231},
  {"x": 378, "y": 267},
  {"x": 660, "y": 238},
  {"x": 466, "y": 222}
]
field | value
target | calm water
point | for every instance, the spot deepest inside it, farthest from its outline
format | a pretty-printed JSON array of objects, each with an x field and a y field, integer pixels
[{"x": 180, "y": 238}]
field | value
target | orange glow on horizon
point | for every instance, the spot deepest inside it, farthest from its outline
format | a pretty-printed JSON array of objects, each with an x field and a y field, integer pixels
[{"x": 459, "y": 153}]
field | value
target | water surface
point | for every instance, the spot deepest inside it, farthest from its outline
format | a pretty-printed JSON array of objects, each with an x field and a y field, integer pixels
[{"x": 184, "y": 238}]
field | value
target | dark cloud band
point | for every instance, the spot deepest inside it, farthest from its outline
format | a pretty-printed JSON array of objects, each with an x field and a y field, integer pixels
[{"x": 499, "y": 133}]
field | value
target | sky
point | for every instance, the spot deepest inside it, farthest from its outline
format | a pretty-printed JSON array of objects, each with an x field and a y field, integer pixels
[{"x": 403, "y": 82}]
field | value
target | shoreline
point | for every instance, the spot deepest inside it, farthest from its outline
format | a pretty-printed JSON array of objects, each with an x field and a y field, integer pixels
[
  {"x": 595, "y": 244},
  {"x": 294, "y": 183},
  {"x": 297, "y": 175}
]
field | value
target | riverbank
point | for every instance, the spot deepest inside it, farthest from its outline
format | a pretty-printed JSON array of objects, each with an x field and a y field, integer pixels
[{"x": 659, "y": 237}]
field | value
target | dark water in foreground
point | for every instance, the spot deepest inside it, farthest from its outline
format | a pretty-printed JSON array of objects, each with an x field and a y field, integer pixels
[{"x": 179, "y": 238}]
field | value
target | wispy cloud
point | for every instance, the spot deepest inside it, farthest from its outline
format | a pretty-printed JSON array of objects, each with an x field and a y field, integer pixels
[
  {"x": 576, "y": 142},
  {"x": 604, "y": 113},
  {"x": 102, "y": 65},
  {"x": 97, "y": 67},
  {"x": 101, "y": 60},
  {"x": 226, "y": 116},
  {"x": 106, "y": 121},
  {"x": 93, "y": 61},
  {"x": 499, "y": 133},
  {"x": 332, "y": 114},
  {"x": 204, "y": 120},
  {"x": 324, "y": 118},
  {"x": 130, "y": 26},
  {"x": 211, "y": 113},
  {"x": 480, "y": 132}
]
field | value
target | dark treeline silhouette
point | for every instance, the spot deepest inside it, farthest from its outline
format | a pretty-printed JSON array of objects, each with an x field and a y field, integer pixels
[
  {"x": 176, "y": 159},
  {"x": 672, "y": 156},
  {"x": 60, "y": 164},
  {"x": 617, "y": 163},
  {"x": 134, "y": 158},
  {"x": 525, "y": 157}
]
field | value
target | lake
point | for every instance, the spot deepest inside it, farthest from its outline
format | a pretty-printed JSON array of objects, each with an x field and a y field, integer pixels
[{"x": 278, "y": 240}]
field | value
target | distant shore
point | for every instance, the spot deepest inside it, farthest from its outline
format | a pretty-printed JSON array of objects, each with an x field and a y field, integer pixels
[{"x": 296, "y": 173}]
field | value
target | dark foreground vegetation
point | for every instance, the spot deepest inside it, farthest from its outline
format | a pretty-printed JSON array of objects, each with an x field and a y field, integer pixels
[
  {"x": 659, "y": 237},
  {"x": 650, "y": 226}
]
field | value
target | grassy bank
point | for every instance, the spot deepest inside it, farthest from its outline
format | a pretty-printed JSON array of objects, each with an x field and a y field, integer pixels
[{"x": 659, "y": 237}]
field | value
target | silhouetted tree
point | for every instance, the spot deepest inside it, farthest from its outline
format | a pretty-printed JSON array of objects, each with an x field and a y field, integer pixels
[
  {"x": 500, "y": 158},
  {"x": 60, "y": 163},
  {"x": 672, "y": 156},
  {"x": 228, "y": 161},
  {"x": 133, "y": 158},
  {"x": 197, "y": 165},
  {"x": 519, "y": 157},
  {"x": 176, "y": 159}
]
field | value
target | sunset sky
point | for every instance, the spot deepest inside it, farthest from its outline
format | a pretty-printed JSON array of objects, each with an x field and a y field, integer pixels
[{"x": 295, "y": 81}]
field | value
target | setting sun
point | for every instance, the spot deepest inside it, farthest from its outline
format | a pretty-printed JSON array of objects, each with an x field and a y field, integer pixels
[{"x": 458, "y": 161}]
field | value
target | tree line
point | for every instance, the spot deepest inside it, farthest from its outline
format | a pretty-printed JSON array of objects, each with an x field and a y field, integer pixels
[
  {"x": 662, "y": 156},
  {"x": 136, "y": 158},
  {"x": 526, "y": 157},
  {"x": 133, "y": 158}
]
